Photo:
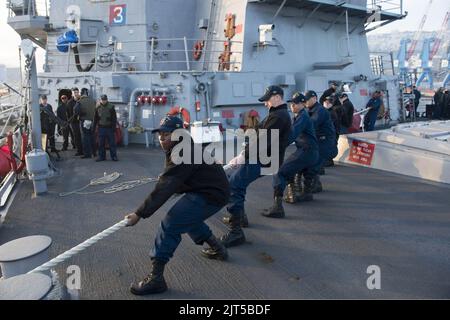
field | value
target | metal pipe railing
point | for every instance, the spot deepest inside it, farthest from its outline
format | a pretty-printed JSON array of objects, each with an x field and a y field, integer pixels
[
  {"x": 392, "y": 6},
  {"x": 134, "y": 58},
  {"x": 28, "y": 7}
]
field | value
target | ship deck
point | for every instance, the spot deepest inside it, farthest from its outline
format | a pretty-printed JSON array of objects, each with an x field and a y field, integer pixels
[{"x": 320, "y": 251}]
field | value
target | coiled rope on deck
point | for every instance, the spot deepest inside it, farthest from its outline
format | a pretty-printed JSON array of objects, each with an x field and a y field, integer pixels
[
  {"x": 108, "y": 179},
  {"x": 81, "y": 247}
]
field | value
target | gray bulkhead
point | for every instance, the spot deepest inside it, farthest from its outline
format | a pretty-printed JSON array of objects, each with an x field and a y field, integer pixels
[{"x": 303, "y": 55}]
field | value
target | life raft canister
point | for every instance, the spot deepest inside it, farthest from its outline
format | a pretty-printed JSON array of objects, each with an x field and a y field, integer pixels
[
  {"x": 5, "y": 161},
  {"x": 186, "y": 116},
  {"x": 65, "y": 40},
  {"x": 23, "y": 151}
]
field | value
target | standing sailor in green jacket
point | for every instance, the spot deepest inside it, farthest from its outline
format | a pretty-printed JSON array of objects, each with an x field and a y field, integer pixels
[{"x": 106, "y": 119}]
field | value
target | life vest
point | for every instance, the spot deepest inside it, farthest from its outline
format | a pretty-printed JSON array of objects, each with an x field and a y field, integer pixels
[{"x": 105, "y": 115}]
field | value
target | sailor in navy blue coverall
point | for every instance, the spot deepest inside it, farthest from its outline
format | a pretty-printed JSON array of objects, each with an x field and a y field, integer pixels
[
  {"x": 326, "y": 136},
  {"x": 278, "y": 121},
  {"x": 371, "y": 118},
  {"x": 205, "y": 190},
  {"x": 306, "y": 155}
]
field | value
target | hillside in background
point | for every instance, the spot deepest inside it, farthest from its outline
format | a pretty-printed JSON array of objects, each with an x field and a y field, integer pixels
[
  {"x": 12, "y": 79},
  {"x": 13, "y": 76},
  {"x": 390, "y": 42}
]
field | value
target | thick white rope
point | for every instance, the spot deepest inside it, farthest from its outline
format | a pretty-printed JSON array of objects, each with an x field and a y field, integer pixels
[
  {"x": 57, "y": 293},
  {"x": 81, "y": 247},
  {"x": 362, "y": 111}
]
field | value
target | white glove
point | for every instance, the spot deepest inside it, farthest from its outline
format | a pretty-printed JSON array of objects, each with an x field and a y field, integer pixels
[{"x": 239, "y": 160}]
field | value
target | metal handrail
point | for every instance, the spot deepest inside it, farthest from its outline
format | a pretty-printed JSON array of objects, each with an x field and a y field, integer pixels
[
  {"x": 392, "y": 6},
  {"x": 159, "y": 40},
  {"x": 129, "y": 59},
  {"x": 28, "y": 8}
]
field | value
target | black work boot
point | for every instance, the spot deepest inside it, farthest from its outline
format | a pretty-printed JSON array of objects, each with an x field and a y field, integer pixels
[
  {"x": 290, "y": 196},
  {"x": 244, "y": 220},
  {"x": 217, "y": 250},
  {"x": 294, "y": 190},
  {"x": 329, "y": 164},
  {"x": 235, "y": 237},
  {"x": 154, "y": 283},
  {"x": 298, "y": 184},
  {"x": 307, "y": 194},
  {"x": 277, "y": 211},
  {"x": 317, "y": 185}
]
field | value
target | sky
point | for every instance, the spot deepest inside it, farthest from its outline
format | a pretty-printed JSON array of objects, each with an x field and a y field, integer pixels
[
  {"x": 9, "y": 50},
  {"x": 416, "y": 8}
]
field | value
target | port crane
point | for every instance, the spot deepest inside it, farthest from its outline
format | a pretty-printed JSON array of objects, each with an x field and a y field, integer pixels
[
  {"x": 405, "y": 54},
  {"x": 428, "y": 53}
]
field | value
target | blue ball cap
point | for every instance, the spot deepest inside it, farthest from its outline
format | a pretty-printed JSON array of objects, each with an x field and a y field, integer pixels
[
  {"x": 169, "y": 124},
  {"x": 297, "y": 98},
  {"x": 270, "y": 92},
  {"x": 310, "y": 94}
]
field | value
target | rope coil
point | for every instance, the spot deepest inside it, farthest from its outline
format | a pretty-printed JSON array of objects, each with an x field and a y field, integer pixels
[{"x": 107, "y": 179}]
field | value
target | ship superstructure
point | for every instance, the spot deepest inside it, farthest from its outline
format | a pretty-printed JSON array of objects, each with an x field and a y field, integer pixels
[{"x": 212, "y": 58}]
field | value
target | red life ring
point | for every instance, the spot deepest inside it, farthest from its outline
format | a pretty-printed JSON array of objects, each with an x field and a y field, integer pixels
[
  {"x": 186, "y": 116},
  {"x": 198, "y": 50},
  {"x": 23, "y": 152}
]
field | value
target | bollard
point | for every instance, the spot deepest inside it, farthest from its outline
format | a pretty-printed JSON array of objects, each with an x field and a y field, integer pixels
[
  {"x": 36, "y": 286},
  {"x": 37, "y": 166},
  {"x": 23, "y": 255},
  {"x": 30, "y": 255}
]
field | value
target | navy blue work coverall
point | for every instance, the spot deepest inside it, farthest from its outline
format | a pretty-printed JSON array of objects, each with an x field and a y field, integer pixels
[
  {"x": 48, "y": 124},
  {"x": 306, "y": 155},
  {"x": 326, "y": 136},
  {"x": 278, "y": 119},
  {"x": 64, "y": 129},
  {"x": 87, "y": 134},
  {"x": 206, "y": 191},
  {"x": 106, "y": 123},
  {"x": 375, "y": 104}
]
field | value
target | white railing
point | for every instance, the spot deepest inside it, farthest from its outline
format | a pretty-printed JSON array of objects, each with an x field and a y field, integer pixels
[
  {"x": 175, "y": 54},
  {"x": 36, "y": 8},
  {"x": 390, "y": 6}
]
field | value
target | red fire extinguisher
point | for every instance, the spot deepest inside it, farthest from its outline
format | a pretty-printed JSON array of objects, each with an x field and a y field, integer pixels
[{"x": 198, "y": 106}]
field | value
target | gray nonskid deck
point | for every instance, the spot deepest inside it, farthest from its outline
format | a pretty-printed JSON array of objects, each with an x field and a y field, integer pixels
[{"x": 321, "y": 250}]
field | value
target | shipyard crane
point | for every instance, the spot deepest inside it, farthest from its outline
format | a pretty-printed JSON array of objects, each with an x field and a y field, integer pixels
[
  {"x": 419, "y": 32},
  {"x": 426, "y": 63},
  {"x": 428, "y": 53},
  {"x": 406, "y": 54},
  {"x": 441, "y": 36},
  {"x": 402, "y": 61}
]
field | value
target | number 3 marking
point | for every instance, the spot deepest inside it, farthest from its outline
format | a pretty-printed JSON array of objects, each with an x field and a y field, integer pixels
[{"x": 118, "y": 12}]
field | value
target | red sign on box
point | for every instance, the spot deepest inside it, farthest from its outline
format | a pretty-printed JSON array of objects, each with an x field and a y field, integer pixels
[
  {"x": 362, "y": 153},
  {"x": 228, "y": 114}
]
